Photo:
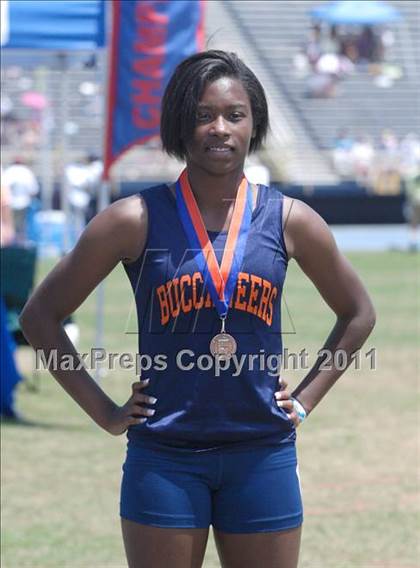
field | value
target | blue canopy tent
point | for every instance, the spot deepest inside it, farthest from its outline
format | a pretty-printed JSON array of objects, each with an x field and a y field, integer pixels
[
  {"x": 59, "y": 25},
  {"x": 356, "y": 12}
]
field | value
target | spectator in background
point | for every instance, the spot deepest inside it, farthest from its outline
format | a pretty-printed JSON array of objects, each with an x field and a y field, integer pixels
[
  {"x": 389, "y": 161},
  {"x": 30, "y": 135},
  {"x": 84, "y": 180},
  {"x": 343, "y": 140},
  {"x": 94, "y": 169},
  {"x": 388, "y": 164},
  {"x": 312, "y": 47},
  {"x": 410, "y": 170},
  {"x": 305, "y": 59},
  {"x": 338, "y": 66},
  {"x": 331, "y": 42},
  {"x": 368, "y": 46},
  {"x": 349, "y": 48},
  {"x": 409, "y": 152},
  {"x": 387, "y": 42},
  {"x": 389, "y": 151},
  {"x": 412, "y": 209},
  {"x": 389, "y": 143},
  {"x": 342, "y": 153},
  {"x": 23, "y": 185},
  {"x": 9, "y": 375},
  {"x": 320, "y": 86},
  {"x": 7, "y": 228},
  {"x": 326, "y": 61},
  {"x": 363, "y": 154}
]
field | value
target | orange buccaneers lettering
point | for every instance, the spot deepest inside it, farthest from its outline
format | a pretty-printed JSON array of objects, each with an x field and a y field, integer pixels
[
  {"x": 164, "y": 305},
  {"x": 265, "y": 298},
  {"x": 240, "y": 303},
  {"x": 253, "y": 294},
  {"x": 185, "y": 283},
  {"x": 197, "y": 303},
  {"x": 172, "y": 288},
  {"x": 269, "y": 316}
]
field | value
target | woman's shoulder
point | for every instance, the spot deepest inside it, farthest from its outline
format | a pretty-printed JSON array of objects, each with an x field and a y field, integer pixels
[
  {"x": 122, "y": 225},
  {"x": 129, "y": 212},
  {"x": 295, "y": 210},
  {"x": 300, "y": 213},
  {"x": 304, "y": 228}
]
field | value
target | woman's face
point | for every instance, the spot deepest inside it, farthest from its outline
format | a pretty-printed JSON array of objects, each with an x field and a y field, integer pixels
[{"x": 224, "y": 128}]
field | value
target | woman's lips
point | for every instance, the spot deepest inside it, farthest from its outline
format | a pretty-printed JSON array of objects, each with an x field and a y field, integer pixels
[{"x": 219, "y": 151}]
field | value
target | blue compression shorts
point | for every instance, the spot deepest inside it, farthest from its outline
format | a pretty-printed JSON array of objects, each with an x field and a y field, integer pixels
[{"x": 236, "y": 491}]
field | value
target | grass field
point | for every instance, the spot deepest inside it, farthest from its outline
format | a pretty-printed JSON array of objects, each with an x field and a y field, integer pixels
[{"x": 359, "y": 451}]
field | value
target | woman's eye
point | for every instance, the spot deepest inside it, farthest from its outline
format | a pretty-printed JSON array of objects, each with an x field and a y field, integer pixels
[
  {"x": 202, "y": 116},
  {"x": 236, "y": 116}
]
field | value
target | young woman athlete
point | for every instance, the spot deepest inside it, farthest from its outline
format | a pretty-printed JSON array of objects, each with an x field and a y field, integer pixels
[{"x": 209, "y": 440}]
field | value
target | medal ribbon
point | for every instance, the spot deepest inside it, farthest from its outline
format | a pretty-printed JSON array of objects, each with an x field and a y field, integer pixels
[{"x": 221, "y": 280}]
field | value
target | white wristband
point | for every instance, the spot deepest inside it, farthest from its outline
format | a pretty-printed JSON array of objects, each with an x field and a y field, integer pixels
[{"x": 298, "y": 408}]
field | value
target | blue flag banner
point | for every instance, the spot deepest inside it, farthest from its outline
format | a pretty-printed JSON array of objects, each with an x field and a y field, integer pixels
[
  {"x": 58, "y": 24},
  {"x": 149, "y": 39}
]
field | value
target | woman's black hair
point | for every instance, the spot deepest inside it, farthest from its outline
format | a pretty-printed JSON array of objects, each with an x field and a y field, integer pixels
[{"x": 185, "y": 88}]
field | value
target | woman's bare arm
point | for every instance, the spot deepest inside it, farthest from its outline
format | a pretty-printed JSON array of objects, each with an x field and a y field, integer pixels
[
  {"x": 310, "y": 242},
  {"x": 116, "y": 234}
]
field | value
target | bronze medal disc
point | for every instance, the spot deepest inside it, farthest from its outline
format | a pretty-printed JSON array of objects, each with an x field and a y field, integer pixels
[{"x": 223, "y": 345}]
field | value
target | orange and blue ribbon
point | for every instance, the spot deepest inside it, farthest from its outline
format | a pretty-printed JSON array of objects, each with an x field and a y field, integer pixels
[{"x": 220, "y": 280}]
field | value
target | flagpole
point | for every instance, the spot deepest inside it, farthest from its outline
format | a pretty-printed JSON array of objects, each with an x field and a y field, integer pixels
[
  {"x": 103, "y": 196},
  {"x": 103, "y": 200},
  {"x": 63, "y": 148}
]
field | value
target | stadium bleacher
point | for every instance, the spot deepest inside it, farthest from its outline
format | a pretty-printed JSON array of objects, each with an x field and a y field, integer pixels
[
  {"x": 270, "y": 33},
  {"x": 276, "y": 30}
]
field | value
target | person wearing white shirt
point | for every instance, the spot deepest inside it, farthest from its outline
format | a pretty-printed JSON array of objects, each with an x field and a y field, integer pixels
[{"x": 23, "y": 186}]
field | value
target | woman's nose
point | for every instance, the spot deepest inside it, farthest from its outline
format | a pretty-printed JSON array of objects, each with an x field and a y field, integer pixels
[{"x": 219, "y": 126}]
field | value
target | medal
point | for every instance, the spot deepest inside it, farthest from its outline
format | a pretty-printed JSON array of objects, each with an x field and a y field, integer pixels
[
  {"x": 221, "y": 281},
  {"x": 223, "y": 345}
]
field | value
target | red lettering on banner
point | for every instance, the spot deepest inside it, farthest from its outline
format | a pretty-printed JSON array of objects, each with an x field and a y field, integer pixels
[
  {"x": 149, "y": 44},
  {"x": 141, "y": 47},
  {"x": 145, "y": 94},
  {"x": 146, "y": 12},
  {"x": 142, "y": 122},
  {"x": 149, "y": 66},
  {"x": 150, "y": 39}
]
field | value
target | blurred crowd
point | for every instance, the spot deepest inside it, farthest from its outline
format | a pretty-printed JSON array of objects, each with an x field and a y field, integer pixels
[
  {"x": 385, "y": 168},
  {"x": 380, "y": 165},
  {"x": 22, "y": 195},
  {"x": 330, "y": 53},
  {"x": 31, "y": 112}
]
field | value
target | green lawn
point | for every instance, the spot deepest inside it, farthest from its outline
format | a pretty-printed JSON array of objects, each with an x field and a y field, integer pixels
[{"x": 359, "y": 451}]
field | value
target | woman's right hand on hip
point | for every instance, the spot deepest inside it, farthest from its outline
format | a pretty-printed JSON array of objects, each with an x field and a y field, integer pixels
[{"x": 133, "y": 412}]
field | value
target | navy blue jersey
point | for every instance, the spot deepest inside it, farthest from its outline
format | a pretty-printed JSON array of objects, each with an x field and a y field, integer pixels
[{"x": 204, "y": 404}]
